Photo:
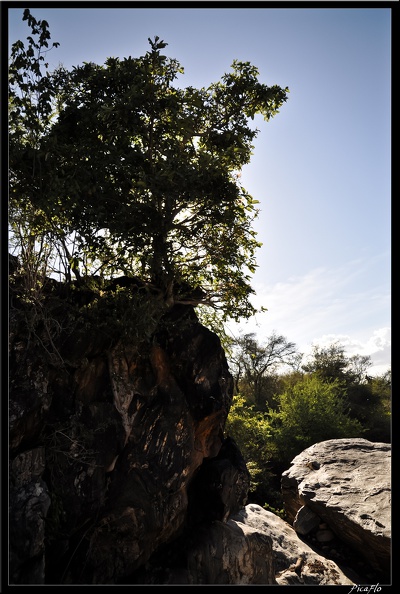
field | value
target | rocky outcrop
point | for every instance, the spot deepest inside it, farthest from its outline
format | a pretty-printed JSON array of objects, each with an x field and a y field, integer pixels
[
  {"x": 106, "y": 443},
  {"x": 294, "y": 561},
  {"x": 346, "y": 484},
  {"x": 254, "y": 546},
  {"x": 120, "y": 472}
]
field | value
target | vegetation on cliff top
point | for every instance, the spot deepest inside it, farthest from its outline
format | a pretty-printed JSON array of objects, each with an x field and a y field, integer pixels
[{"x": 115, "y": 170}]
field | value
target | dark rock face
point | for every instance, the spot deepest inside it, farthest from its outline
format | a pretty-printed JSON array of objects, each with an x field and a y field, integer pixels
[
  {"x": 110, "y": 444},
  {"x": 29, "y": 503},
  {"x": 346, "y": 483}
]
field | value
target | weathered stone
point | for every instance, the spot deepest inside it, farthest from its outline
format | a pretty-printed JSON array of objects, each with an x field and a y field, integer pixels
[
  {"x": 295, "y": 561},
  {"x": 231, "y": 553},
  {"x": 350, "y": 491},
  {"x": 212, "y": 553},
  {"x": 305, "y": 520},
  {"x": 29, "y": 502}
]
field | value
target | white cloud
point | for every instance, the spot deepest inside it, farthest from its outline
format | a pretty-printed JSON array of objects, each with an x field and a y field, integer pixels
[
  {"x": 326, "y": 306},
  {"x": 377, "y": 346}
]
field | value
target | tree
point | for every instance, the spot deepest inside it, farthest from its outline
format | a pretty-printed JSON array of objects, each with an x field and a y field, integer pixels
[
  {"x": 254, "y": 365},
  {"x": 143, "y": 175},
  {"x": 331, "y": 363},
  {"x": 31, "y": 93},
  {"x": 378, "y": 415}
]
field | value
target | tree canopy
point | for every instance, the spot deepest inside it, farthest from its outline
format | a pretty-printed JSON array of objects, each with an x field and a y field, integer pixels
[
  {"x": 331, "y": 363},
  {"x": 254, "y": 365},
  {"x": 126, "y": 173}
]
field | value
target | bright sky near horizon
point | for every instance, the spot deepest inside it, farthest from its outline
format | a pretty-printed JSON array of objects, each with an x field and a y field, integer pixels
[{"x": 321, "y": 168}]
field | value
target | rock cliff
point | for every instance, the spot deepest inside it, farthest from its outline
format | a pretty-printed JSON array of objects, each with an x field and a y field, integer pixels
[{"x": 119, "y": 469}]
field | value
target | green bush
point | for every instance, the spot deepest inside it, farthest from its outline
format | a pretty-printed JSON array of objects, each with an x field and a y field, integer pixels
[
  {"x": 251, "y": 429},
  {"x": 310, "y": 411}
]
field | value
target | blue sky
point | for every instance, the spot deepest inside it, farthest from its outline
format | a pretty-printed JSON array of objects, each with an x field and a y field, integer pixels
[{"x": 321, "y": 169}]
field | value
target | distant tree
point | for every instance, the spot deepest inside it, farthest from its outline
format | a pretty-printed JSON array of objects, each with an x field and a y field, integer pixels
[
  {"x": 332, "y": 362},
  {"x": 358, "y": 366},
  {"x": 255, "y": 366},
  {"x": 329, "y": 363},
  {"x": 362, "y": 394},
  {"x": 370, "y": 403},
  {"x": 128, "y": 174},
  {"x": 379, "y": 426}
]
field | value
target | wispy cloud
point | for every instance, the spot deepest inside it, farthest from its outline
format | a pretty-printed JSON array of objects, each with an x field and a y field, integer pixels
[{"x": 325, "y": 306}]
